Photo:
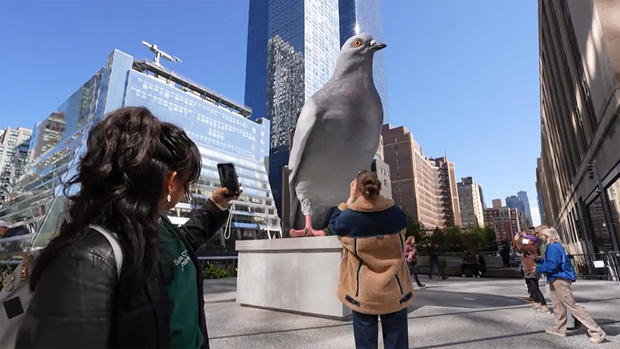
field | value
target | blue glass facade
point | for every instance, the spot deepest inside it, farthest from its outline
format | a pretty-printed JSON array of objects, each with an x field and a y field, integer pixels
[
  {"x": 221, "y": 132},
  {"x": 292, "y": 51},
  {"x": 256, "y": 59}
]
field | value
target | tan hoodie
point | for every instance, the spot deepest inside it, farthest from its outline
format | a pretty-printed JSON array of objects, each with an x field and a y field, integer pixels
[{"x": 374, "y": 278}]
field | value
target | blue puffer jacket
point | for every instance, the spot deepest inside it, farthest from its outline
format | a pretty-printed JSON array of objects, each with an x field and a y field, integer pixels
[{"x": 556, "y": 264}]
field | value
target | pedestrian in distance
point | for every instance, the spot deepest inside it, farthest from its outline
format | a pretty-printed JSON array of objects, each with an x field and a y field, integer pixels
[
  {"x": 411, "y": 256},
  {"x": 561, "y": 275},
  {"x": 433, "y": 259},
  {"x": 374, "y": 278},
  {"x": 119, "y": 274}
]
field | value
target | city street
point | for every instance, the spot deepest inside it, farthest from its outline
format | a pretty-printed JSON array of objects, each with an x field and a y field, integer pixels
[{"x": 456, "y": 313}]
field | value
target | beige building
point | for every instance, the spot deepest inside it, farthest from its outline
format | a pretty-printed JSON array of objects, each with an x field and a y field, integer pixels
[
  {"x": 449, "y": 194},
  {"x": 382, "y": 169},
  {"x": 415, "y": 179},
  {"x": 578, "y": 174},
  {"x": 497, "y": 203},
  {"x": 470, "y": 203}
]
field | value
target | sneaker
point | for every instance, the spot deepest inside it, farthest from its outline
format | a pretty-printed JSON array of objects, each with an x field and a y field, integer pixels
[
  {"x": 597, "y": 338},
  {"x": 555, "y": 332},
  {"x": 535, "y": 305},
  {"x": 544, "y": 309},
  {"x": 526, "y": 299},
  {"x": 422, "y": 286}
]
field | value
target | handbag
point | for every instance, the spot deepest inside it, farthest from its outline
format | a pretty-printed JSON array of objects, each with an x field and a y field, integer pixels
[{"x": 15, "y": 296}]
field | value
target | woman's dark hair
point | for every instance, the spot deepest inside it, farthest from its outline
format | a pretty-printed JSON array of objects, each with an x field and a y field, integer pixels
[
  {"x": 122, "y": 182},
  {"x": 368, "y": 184}
]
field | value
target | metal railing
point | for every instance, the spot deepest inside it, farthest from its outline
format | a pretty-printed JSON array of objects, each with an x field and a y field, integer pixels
[{"x": 602, "y": 266}]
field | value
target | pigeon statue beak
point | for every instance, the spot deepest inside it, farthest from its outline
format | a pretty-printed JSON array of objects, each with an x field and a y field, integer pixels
[{"x": 376, "y": 46}]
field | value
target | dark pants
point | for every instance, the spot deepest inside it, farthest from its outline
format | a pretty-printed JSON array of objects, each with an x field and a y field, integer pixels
[
  {"x": 413, "y": 274},
  {"x": 394, "y": 325},
  {"x": 434, "y": 263},
  {"x": 534, "y": 290}
]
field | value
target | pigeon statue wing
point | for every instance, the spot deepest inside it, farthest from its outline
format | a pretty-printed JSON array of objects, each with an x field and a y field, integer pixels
[{"x": 303, "y": 130}]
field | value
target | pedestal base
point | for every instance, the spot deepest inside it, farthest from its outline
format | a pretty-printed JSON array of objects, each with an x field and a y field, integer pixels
[{"x": 295, "y": 274}]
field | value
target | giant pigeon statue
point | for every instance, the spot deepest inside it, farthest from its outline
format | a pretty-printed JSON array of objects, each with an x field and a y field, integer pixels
[{"x": 336, "y": 136}]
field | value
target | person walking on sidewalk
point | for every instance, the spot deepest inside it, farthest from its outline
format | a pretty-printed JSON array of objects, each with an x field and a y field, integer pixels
[
  {"x": 527, "y": 244},
  {"x": 374, "y": 280},
  {"x": 433, "y": 259},
  {"x": 561, "y": 275},
  {"x": 411, "y": 256}
]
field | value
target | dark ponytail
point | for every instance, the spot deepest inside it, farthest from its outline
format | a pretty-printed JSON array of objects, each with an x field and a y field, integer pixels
[{"x": 369, "y": 185}]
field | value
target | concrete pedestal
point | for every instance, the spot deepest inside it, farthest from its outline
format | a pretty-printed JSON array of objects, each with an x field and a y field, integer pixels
[{"x": 294, "y": 274}]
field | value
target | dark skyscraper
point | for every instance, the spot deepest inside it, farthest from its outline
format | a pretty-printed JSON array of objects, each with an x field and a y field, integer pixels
[
  {"x": 292, "y": 50},
  {"x": 256, "y": 59}
]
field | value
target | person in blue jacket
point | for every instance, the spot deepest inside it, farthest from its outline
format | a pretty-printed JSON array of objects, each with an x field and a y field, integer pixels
[{"x": 560, "y": 275}]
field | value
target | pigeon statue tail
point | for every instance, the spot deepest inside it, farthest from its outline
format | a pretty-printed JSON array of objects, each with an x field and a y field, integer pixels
[{"x": 337, "y": 135}]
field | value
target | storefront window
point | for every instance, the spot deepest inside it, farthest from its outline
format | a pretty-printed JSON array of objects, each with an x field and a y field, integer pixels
[
  {"x": 601, "y": 237},
  {"x": 613, "y": 193}
]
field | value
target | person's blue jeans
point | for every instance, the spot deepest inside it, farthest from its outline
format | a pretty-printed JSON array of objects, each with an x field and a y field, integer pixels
[{"x": 394, "y": 325}]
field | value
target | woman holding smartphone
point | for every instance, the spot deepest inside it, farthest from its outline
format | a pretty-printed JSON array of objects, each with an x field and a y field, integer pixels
[{"x": 135, "y": 169}]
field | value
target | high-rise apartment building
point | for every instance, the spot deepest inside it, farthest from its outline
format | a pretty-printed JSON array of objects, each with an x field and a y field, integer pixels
[
  {"x": 291, "y": 53},
  {"x": 472, "y": 214},
  {"x": 504, "y": 221},
  {"x": 578, "y": 175},
  {"x": 496, "y": 203},
  {"x": 448, "y": 191},
  {"x": 419, "y": 185},
  {"x": 219, "y": 127},
  {"x": 14, "y": 150}
]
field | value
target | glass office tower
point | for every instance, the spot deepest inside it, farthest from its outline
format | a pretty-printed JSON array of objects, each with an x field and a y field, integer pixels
[
  {"x": 291, "y": 53},
  {"x": 219, "y": 127}
]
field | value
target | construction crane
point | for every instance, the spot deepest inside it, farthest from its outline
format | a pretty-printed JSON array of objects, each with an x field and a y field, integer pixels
[{"x": 160, "y": 54}]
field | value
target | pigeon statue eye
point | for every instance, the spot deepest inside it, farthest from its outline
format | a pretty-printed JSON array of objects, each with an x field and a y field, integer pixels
[{"x": 357, "y": 43}]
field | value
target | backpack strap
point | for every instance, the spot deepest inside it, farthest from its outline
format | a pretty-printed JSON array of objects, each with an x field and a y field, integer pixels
[{"x": 116, "y": 247}]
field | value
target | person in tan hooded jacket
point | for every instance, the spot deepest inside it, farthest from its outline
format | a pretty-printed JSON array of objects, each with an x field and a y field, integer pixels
[{"x": 374, "y": 279}]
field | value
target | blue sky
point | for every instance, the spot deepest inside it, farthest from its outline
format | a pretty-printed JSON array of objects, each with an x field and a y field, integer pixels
[{"x": 462, "y": 76}]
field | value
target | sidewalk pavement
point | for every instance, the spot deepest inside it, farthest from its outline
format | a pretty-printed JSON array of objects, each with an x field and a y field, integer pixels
[{"x": 454, "y": 313}]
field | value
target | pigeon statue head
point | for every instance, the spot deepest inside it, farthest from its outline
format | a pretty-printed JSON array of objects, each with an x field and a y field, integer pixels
[{"x": 357, "y": 53}]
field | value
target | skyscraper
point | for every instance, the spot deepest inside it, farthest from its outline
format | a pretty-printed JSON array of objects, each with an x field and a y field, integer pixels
[
  {"x": 448, "y": 191},
  {"x": 292, "y": 50},
  {"x": 578, "y": 176},
  {"x": 219, "y": 127},
  {"x": 521, "y": 203}
]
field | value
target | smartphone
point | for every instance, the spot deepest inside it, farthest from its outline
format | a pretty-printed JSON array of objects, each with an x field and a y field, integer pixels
[{"x": 228, "y": 177}]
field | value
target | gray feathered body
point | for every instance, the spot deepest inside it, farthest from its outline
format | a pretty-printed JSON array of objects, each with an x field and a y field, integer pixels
[{"x": 346, "y": 117}]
